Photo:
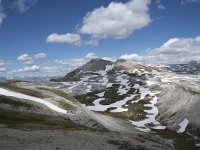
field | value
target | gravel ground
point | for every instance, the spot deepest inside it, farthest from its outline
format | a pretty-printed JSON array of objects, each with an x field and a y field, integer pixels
[{"x": 77, "y": 140}]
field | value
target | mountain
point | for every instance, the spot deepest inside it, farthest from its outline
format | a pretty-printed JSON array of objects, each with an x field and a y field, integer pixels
[
  {"x": 3, "y": 79},
  {"x": 192, "y": 67},
  {"x": 97, "y": 64},
  {"x": 150, "y": 97},
  {"x": 92, "y": 66},
  {"x": 34, "y": 113},
  {"x": 142, "y": 101}
]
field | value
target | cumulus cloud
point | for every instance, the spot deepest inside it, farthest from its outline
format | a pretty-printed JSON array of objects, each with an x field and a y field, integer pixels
[
  {"x": 91, "y": 56},
  {"x": 118, "y": 20},
  {"x": 24, "y": 5},
  {"x": 25, "y": 58},
  {"x": 33, "y": 68},
  {"x": 175, "y": 50},
  {"x": 135, "y": 57},
  {"x": 40, "y": 56},
  {"x": 69, "y": 38},
  {"x": 2, "y": 14}
]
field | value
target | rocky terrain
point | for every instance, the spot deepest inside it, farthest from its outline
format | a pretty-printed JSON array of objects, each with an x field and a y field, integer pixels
[
  {"x": 192, "y": 67},
  {"x": 111, "y": 102}
]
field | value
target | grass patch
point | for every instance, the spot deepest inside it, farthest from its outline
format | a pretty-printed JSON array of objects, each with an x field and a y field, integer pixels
[
  {"x": 15, "y": 119},
  {"x": 64, "y": 105},
  {"x": 135, "y": 111},
  {"x": 22, "y": 90},
  {"x": 111, "y": 95},
  {"x": 14, "y": 103},
  {"x": 67, "y": 106},
  {"x": 58, "y": 92},
  {"x": 88, "y": 98},
  {"x": 180, "y": 142}
]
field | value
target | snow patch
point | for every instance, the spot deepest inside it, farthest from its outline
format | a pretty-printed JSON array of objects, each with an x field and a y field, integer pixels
[
  {"x": 101, "y": 94},
  {"x": 151, "y": 117},
  {"x": 183, "y": 126},
  {"x": 31, "y": 98},
  {"x": 98, "y": 107}
]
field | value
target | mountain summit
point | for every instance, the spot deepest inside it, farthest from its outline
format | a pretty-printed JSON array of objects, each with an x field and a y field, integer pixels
[{"x": 93, "y": 65}]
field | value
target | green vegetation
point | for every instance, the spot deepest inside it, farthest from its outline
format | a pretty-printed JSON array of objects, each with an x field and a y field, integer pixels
[
  {"x": 180, "y": 142},
  {"x": 14, "y": 119},
  {"x": 59, "y": 93},
  {"x": 88, "y": 98},
  {"x": 135, "y": 110},
  {"x": 14, "y": 103},
  {"x": 22, "y": 90},
  {"x": 65, "y": 105},
  {"x": 111, "y": 95}
]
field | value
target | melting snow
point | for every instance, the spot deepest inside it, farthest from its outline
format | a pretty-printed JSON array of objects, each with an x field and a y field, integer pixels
[
  {"x": 101, "y": 94},
  {"x": 183, "y": 126},
  {"x": 109, "y": 67},
  {"x": 198, "y": 144},
  {"x": 98, "y": 107},
  {"x": 151, "y": 117},
  {"x": 124, "y": 84},
  {"x": 31, "y": 98}
]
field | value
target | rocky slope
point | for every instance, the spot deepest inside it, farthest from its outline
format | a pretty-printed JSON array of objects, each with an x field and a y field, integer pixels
[{"x": 42, "y": 114}]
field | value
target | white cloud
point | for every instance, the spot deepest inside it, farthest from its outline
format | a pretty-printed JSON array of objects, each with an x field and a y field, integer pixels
[
  {"x": 3, "y": 63},
  {"x": 135, "y": 57},
  {"x": 176, "y": 50},
  {"x": 118, "y": 20},
  {"x": 2, "y": 69},
  {"x": 25, "y": 58},
  {"x": 40, "y": 56},
  {"x": 69, "y": 38},
  {"x": 33, "y": 68},
  {"x": 24, "y": 5},
  {"x": 2, "y": 14},
  {"x": 160, "y": 5},
  {"x": 92, "y": 42},
  {"x": 74, "y": 63},
  {"x": 184, "y": 2},
  {"x": 71, "y": 62},
  {"x": 91, "y": 56},
  {"x": 50, "y": 69}
]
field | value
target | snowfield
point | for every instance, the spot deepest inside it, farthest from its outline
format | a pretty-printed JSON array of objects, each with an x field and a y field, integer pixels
[{"x": 31, "y": 98}]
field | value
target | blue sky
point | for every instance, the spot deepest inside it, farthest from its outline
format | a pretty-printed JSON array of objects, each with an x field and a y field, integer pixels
[{"x": 50, "y": 37}]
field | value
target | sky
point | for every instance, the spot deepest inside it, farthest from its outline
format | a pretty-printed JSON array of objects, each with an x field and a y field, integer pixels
[{"x": 52, "y": 37}]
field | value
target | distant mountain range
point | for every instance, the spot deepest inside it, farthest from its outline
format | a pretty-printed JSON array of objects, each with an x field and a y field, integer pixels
[
  {"x": 192, "y": 67},
  {"x": 3, "y": 79}
]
